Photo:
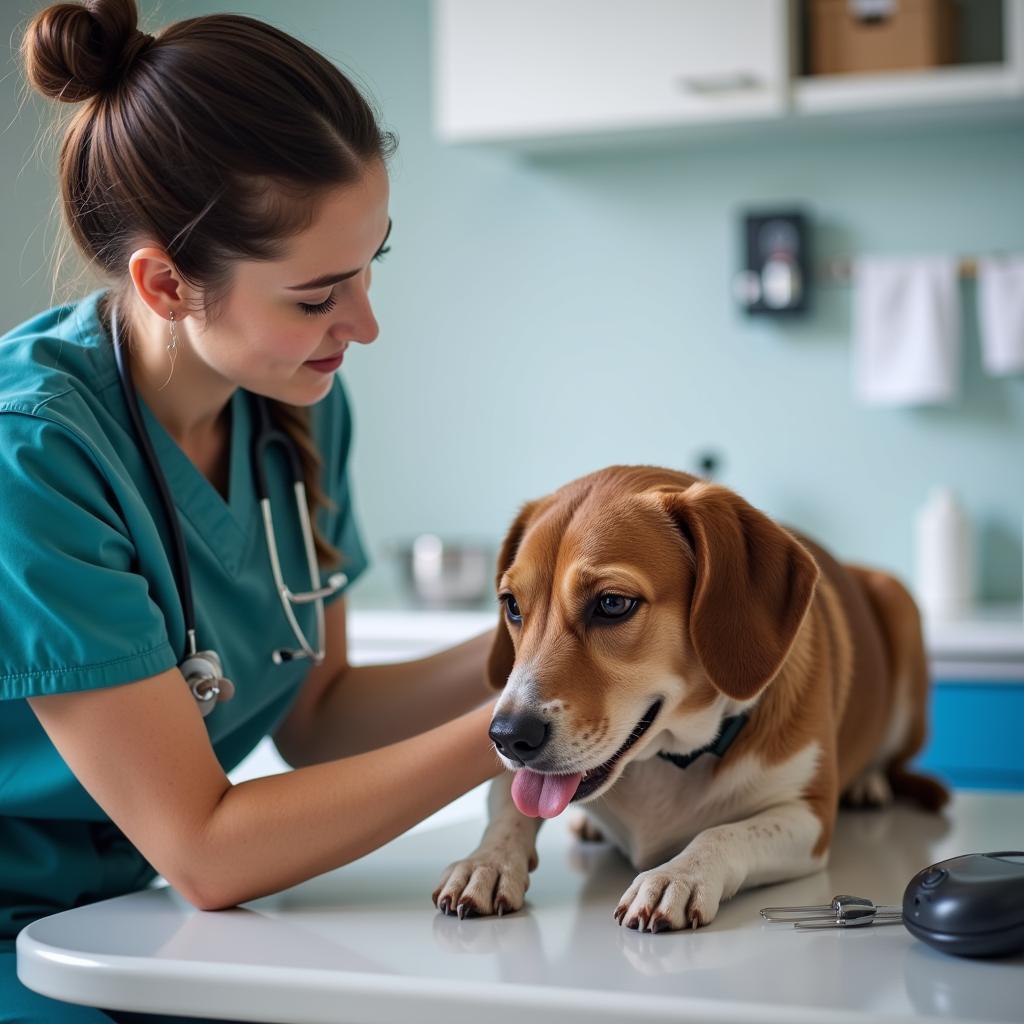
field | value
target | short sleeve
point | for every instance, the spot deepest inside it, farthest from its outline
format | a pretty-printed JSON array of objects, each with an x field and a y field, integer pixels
[
  {"x": 343, "y": 532},
  {"x": 75, "y": 615}
]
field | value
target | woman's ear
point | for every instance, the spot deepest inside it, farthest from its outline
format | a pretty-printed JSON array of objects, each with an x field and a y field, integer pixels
[
  {"x": 754, "y": 584},
  {"x": 503, "y": 654}
]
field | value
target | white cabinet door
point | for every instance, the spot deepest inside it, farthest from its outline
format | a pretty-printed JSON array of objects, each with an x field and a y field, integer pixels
[{"x": 533, "y": 68}]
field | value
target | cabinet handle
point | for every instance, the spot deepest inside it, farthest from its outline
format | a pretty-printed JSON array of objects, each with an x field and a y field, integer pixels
[{"x": 710, "y": 85}]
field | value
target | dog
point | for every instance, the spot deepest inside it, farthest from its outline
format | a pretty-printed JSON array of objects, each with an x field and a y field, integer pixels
[{"x": 708, "y": 683}]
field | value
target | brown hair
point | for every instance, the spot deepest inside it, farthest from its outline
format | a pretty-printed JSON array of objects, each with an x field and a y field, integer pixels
[{"x": 217, "y": 137}]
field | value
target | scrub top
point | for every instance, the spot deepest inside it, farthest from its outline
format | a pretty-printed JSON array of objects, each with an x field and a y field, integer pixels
[{"x": 88, "y": 597}]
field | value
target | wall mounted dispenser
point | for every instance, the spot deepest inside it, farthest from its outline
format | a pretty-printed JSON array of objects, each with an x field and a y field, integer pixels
[{"x": 775, "y": 278}]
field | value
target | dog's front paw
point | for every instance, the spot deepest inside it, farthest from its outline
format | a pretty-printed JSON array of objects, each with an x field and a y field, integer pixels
[
  {"x": 669, "y": 898},
  {"x": 486, "y": 882},
  {"x": 584, "y": 829}
]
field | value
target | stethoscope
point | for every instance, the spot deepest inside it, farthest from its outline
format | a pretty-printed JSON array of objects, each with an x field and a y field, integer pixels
[{"x": 202, "y": 669}]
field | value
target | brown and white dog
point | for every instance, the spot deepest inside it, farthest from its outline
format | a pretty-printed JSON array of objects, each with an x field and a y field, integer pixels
[{"x": 650, "y": 613}]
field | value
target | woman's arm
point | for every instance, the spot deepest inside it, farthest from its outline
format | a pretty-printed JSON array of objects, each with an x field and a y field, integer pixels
[
  {"x": 142, "y": 752},
  {"x": 345, "y": 710}
]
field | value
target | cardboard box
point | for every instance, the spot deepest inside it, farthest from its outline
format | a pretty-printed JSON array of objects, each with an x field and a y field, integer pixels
[{"x": 880, "y": 35}]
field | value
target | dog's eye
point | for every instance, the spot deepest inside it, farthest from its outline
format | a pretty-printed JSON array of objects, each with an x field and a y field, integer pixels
[
  {"x": 512, "y": 608},
  {"x": 614, "y": 606}
]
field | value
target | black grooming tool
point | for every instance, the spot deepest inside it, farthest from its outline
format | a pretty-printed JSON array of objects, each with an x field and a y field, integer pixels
[{"x": 969, "y": 906}]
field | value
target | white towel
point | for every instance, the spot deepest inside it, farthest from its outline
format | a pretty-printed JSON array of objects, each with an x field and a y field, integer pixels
[
  {"x": 906, "y": 330},
  {"x": 1001, "y": 314}
]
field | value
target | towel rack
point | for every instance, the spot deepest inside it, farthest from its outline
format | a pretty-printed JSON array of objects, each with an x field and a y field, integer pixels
[{"x": 840, "y": 271}]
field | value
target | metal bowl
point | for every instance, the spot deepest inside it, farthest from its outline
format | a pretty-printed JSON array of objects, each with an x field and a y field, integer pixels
[{"x": 443, "y": 572}]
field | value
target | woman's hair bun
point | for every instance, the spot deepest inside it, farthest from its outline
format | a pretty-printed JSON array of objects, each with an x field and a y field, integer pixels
[{"x": 73, "y": 51}]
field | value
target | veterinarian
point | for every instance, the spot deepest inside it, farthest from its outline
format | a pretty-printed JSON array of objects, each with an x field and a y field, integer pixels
[{"x": 166, "y": 601}]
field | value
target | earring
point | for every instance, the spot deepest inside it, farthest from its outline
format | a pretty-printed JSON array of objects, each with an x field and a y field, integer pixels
[{"x": 172, "y": 348}]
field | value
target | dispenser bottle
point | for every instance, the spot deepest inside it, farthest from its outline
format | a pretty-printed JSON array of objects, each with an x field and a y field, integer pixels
[{"x": 944, "y": 557}]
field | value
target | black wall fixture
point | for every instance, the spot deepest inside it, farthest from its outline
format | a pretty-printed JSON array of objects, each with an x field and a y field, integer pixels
[{"x": 775, "y": 279}]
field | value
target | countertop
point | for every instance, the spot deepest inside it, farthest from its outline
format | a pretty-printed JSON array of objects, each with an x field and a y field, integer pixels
[
  {"x": 989, "y": 634},
  {"x": 364, "y": 943}
]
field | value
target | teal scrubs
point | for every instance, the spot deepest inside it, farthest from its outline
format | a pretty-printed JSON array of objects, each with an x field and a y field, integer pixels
[{"x": 88, "y": 596}]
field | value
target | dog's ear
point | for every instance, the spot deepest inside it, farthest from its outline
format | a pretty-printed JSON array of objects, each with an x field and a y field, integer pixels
[
  {"x": 503, "y": 655},
  {"x": 754, "y": 583}
]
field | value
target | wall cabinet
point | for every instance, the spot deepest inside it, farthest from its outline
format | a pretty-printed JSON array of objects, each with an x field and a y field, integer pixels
[
  {"x": 975, "y": 732},
  {"x": 540, "y": 73},
  {"x": 548, "y": 67}
]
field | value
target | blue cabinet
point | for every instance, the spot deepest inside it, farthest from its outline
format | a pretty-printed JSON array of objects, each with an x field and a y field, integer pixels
[{"x": 976, "y": 735}]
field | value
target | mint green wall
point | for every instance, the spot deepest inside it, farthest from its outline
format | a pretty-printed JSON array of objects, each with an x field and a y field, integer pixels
[{"x": 544, "y": 317}]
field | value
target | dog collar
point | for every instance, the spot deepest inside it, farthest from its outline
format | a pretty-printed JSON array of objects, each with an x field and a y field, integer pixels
[{"x": 731, "y": 728}]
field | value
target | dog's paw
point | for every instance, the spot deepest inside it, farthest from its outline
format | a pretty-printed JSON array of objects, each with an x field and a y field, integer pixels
[
  {"x": 486, "y": 882},
  {"x": 871, "y": 789},
  {"x": 584, "y": 829},
  {"x": 669, "y": 898}
]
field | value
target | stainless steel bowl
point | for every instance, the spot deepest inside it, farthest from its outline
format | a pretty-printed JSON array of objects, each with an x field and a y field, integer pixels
[{"x": 441, "y": 572}]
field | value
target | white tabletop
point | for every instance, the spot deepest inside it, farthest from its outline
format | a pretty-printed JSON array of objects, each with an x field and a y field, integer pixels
[
  {"x": 985, "y": 630},
  {"x": 984, "y": 645},
  {"x": 364, "y": 943}
]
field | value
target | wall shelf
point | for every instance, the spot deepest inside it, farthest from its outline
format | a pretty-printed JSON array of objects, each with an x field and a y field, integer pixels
[{"x": 902, "y": 90}]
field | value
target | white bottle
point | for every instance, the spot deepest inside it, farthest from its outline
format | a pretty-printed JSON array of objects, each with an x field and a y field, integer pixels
[{"x": 944, "y": 557}]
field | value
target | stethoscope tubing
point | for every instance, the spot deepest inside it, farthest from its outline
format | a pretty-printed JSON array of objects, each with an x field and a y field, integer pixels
[
  {"x": 265, "y": 435},
  {"x": 182, "y": 575}
]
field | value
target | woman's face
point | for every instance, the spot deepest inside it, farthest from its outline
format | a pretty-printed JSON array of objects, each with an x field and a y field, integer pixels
[{"x": 276, "y": 319}]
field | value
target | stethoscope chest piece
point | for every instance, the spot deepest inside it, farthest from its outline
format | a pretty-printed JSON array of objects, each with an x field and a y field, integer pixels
[{"x": 204, "y": 675}]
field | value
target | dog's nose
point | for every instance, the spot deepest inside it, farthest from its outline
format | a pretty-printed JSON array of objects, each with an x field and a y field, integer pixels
[{"x": 521, "y": 737}]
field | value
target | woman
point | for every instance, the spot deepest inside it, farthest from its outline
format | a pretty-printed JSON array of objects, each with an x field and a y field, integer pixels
[{"x": 230, "y": 184}]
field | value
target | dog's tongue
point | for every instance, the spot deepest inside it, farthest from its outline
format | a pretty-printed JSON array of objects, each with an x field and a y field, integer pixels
[{"x": 543, "y": 796}]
